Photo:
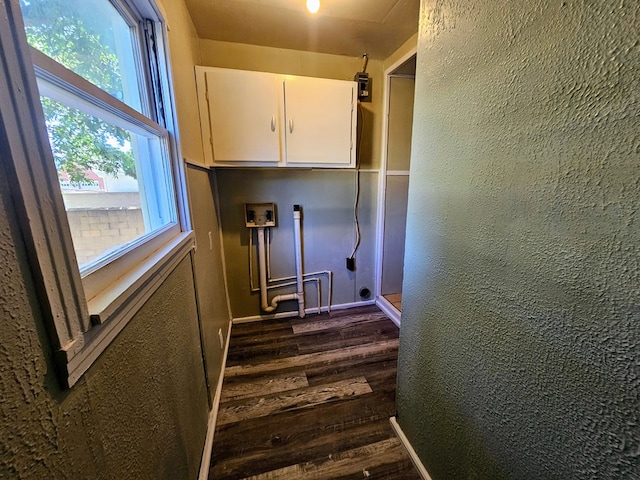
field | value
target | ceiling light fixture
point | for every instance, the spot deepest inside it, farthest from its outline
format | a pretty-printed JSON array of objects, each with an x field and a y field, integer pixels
[{"x": 313, "y": 5}]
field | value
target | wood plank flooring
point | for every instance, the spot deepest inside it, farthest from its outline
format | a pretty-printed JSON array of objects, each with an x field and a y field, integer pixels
[
  {"x": 311, "y": 399},
  {"x": 395, "y": 299}
]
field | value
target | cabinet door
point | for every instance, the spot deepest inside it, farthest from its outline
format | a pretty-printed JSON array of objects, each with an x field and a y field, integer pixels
[
  {"x": 244, "y": 114},
  {"x": 320, "y": 122}
]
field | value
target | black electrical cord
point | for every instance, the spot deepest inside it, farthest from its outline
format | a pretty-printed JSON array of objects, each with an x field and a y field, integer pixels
[{"x": 357, "y": 181}]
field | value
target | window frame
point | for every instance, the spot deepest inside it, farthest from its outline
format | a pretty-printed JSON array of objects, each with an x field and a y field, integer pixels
[{"x": 81, "y": 328}]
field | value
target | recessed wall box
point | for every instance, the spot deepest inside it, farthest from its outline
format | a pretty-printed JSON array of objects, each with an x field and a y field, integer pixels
[{"x": 260, "y": 215}]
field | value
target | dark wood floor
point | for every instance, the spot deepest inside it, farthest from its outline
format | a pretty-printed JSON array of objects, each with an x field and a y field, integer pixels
[{"x": 311, "y": 398}]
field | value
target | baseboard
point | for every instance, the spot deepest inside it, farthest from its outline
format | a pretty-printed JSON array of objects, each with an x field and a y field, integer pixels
[
  {"x": 346, "y": 306},
  {"x": 412, "y": 453},
  {"x": 213, "y": 415},
  {"x": 294, "y": 313},
  {"x": 390, "y": 311}
]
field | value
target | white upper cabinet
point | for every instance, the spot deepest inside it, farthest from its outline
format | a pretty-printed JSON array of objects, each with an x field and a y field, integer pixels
[
  {"x": 240, "y": 115},
  {"x": 320, "y": 116},
  {"x": 263, "y": 119}
]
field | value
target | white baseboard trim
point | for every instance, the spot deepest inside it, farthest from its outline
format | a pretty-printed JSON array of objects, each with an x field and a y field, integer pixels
[
  {"x": 345, "y": 306},
  {"x": 412, "y": 453},
  {"x": 213, "y": 415},
  {"x": 208, "y": 445},
  {"x": 294, "y": 313},
  {"x": 390, "y": 311}
]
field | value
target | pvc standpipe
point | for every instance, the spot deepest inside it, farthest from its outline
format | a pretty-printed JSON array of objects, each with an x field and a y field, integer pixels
[
  {"x": 297, "y": 245},
  {"x": 262, "y": 267}
]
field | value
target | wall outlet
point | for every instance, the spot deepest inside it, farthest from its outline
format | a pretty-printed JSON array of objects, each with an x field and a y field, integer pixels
[{"x": 221, "y": 337}]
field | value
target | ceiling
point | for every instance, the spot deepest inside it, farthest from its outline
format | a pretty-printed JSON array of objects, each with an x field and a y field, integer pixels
[{"x": 342, "y": 27}]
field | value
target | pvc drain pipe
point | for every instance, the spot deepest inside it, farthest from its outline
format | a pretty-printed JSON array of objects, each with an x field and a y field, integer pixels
[
  {"x": 262, "y": 267},
  {"x": 297, "y": 245}
]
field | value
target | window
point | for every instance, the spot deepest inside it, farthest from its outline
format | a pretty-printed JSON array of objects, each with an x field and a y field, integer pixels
[
  {"x": 112, "y": 163},
  {"x": 101, "y": 172}
]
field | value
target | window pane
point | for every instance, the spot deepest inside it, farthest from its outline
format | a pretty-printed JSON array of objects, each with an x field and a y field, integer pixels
[
  {"x": 115, "y": 182},
  {"x": 89, "y": 37}
]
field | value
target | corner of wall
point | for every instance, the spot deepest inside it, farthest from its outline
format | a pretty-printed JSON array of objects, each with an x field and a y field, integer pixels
[{"x": 404, "y": 49}]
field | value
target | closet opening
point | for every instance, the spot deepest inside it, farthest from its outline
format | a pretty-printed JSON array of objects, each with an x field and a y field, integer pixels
[{"x": 394, "y": 183}]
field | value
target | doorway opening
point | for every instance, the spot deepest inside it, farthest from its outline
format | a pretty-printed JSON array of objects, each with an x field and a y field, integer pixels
[{"x": 394, "y": 183}]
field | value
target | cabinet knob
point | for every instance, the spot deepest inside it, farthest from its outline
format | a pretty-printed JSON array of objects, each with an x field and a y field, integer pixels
[
  {"x": 291, "y": 125},
  {"x": 273, "y": 123}
]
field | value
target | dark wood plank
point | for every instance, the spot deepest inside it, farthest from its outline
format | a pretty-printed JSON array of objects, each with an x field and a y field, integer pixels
[
  {"x": 355, "y": 461},
  {"x": 311, "y": 398},
  {"x": 298, "y": 444},
  {"x": 262, "y": 352},
  {"x": 345, "y": 338},
  {"x": 310, "y": 359},
  {"x": 368, "y": 366},
  {"x": 289, "y": 429},
  {"x": 263, "y": 405},
  {"x": 399, "y": 470},
  {"x": 327, "y": 323},
  {"x": 350, "y": 312},
  {"x": 266, "y": 384},
  {"x": 247, "y": 328},
  {"x": 381, "y": 376}
]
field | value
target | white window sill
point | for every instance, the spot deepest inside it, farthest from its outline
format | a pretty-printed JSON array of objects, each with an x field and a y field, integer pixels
[{"x": 114, "y": 307}]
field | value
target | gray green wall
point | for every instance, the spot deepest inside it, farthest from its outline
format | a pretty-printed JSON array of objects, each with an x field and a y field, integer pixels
[
  {"x": 328, "y": 231},
  {"x": 519, "y": 347},
  {"x": 208, "y": 270},
  {"x": 140, "y": 411},
  {"x": 395, "y": 225}
]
